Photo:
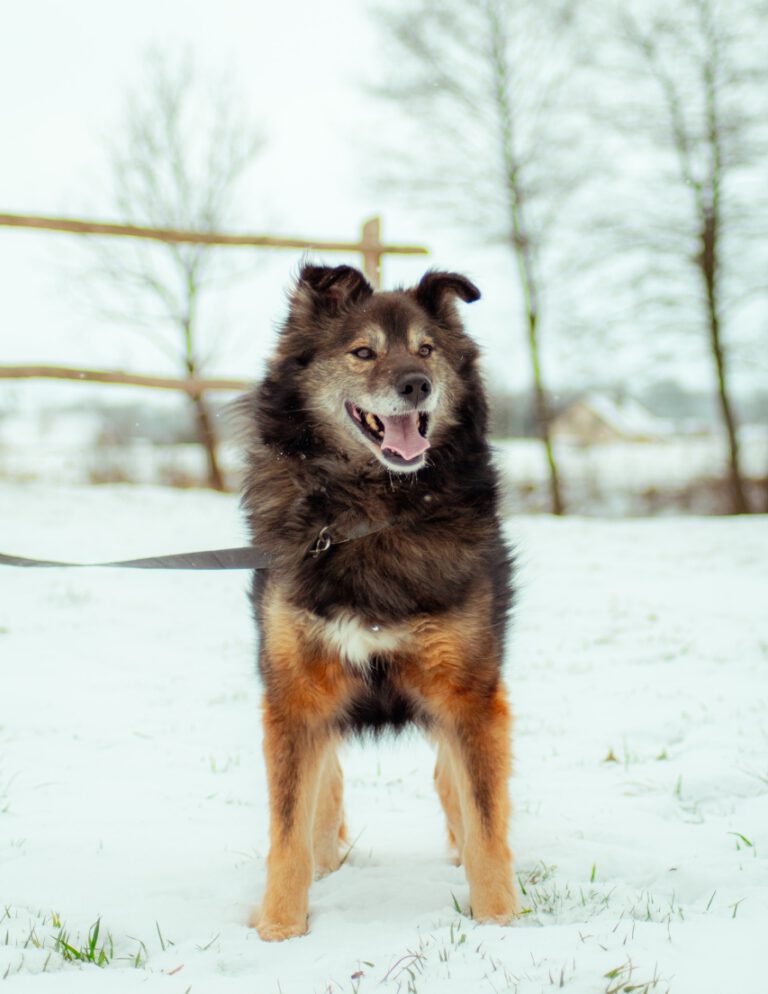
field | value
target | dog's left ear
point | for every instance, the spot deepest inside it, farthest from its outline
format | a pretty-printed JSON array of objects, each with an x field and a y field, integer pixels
[
  {"x": 332, "y": 288},
  {"x": 437, "y": 289}
]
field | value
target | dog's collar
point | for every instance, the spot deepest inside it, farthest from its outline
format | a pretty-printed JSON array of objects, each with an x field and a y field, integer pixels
[{"x": 328, "y": 537}]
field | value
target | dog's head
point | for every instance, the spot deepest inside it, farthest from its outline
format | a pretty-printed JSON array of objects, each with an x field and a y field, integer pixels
[{"x": 375, "y": 375}]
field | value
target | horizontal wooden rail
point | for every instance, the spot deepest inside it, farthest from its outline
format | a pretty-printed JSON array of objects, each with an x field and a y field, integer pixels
[
  {"x": 199, "y": 237},
  {"x": 370, "y": 245},
  {"x": 192, "y": 387}
]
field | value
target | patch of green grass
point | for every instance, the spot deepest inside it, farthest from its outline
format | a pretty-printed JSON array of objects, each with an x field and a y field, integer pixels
[
  {"x": 140, "y": 957},
  {"x": 735, "y": 906},
  {"x": 47, "y": 932},
  {"x": 538, "y": 875},
  {"x": 621, "y": 980},
  {"x": 91, "y": 951},
  {"x": 456, "y": 936},
  {"x": 742, "y": 838},
  {"x": 647, "y": 907},
  {"x": 164, "y": 943}
]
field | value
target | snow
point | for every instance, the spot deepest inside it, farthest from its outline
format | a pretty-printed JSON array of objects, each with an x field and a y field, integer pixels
[{"x": 132, "y": 788}]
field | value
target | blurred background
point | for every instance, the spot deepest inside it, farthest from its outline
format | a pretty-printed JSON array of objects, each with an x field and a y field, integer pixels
[{"x": 598, "y": 168}]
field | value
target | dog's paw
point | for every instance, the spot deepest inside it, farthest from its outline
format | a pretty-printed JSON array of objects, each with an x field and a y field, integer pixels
[
  {"x": 505, "y": 918},
  {"x": 329, "y": 864},
  {"x": 277, "y": 931},
  {"x": 502, "y": 910}
]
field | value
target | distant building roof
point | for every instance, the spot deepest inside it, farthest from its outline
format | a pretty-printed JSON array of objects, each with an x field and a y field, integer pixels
[{"x": 599, "y": 418}]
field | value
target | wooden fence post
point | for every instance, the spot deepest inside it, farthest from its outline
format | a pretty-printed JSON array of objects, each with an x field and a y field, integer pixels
[{"x": 371, "y": 247}]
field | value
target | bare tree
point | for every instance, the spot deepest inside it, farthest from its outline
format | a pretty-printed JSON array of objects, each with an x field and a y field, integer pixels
[
  {"x": 184, "y": 145},
  {"x": 704, "y": 60},
  {"x": 482, "y": 86}
]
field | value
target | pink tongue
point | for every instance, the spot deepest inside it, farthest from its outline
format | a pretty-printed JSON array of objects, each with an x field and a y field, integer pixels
[{"x": 401, "y": 435}]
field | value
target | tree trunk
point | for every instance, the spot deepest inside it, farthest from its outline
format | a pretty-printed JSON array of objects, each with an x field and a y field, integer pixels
[
  {"x": 529, "y": 286},
  {"x": 739, "y": 503},
  {"x": 711, "y": 228},
  {"x": 519, "y": 236},
  {"x": 543, "y": 418},
  {"x": 708, "y": 267},
  {"x": 205, "y": 433},
  {"x": 541, "y": 400},
  {"x": 207, "y": 438}
]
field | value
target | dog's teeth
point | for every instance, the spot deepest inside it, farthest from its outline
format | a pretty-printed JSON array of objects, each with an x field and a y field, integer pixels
[{"x": 372, "y": 421}]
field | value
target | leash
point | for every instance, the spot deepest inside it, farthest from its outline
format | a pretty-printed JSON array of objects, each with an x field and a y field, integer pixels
[{"x": 244, "y": 557}]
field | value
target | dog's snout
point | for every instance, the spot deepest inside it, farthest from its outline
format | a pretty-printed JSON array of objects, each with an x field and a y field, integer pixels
[{"x": 414, "y": 387}]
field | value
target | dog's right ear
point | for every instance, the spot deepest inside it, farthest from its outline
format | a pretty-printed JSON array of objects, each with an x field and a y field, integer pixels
[{"x": 331, "y": 289}]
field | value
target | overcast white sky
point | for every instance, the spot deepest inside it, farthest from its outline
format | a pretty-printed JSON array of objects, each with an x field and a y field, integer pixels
[{"x": 64, "y": 71}]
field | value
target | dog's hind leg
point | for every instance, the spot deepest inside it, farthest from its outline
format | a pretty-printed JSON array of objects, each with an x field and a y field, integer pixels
[
  {"x": 447, "y": 791},
  {"x": 329, "y": 829}
]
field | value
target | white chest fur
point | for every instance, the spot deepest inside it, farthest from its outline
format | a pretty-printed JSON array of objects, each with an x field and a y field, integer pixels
[{"x": 355, "y": 640}]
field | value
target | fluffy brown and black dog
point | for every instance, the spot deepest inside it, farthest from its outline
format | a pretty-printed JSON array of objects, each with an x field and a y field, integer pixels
[{"x": 369, "y": 433}]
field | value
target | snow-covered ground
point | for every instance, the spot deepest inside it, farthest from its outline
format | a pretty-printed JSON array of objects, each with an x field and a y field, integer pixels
[{"x": 132, "y": 789}]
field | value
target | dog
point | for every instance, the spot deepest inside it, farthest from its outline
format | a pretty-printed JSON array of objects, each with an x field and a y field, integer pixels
[{"x": 370, "y": 485}]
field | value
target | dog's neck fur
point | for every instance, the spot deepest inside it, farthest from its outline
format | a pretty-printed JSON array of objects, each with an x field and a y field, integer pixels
[{"x": 308, "y": 491}]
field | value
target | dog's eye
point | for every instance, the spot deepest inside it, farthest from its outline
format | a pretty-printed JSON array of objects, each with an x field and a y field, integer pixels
[
  {"x": 364, "y": 353},
  {"x": 426, "y": 351}
]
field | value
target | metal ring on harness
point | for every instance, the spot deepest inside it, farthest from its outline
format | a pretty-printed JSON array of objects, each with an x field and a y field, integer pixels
[{"x": 322, "y": 544}]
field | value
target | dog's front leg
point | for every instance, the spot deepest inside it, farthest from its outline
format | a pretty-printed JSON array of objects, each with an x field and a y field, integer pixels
[
  {"x": 293, "y": 755},
  {"x": 476, "y": 737},
  {"x": 455, "y": 674}
]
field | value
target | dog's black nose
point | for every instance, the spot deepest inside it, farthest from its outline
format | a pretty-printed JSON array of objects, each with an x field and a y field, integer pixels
[{"x": 414, "y": 387}]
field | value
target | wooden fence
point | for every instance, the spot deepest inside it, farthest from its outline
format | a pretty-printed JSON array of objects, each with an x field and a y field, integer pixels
[
  {"x": 370, "y": 247},
  {"x": 193, "y": 387}
]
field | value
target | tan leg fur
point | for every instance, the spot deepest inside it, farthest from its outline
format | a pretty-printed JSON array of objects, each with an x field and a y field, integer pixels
[
  {"x": 447, "y": 791},
  {"x": 329, "y": 828},
  {"x": 303, "y": 773}
]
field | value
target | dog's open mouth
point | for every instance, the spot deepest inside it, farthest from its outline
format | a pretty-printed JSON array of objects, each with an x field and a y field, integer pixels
[{"x": 402, "y": 438}]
